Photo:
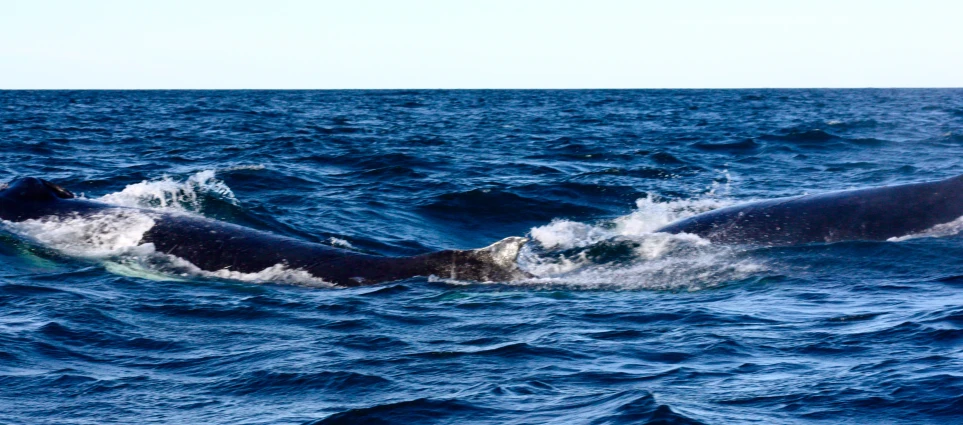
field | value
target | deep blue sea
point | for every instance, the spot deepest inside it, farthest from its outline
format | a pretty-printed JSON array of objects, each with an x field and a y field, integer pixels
[{"x": 620, "y": 325}]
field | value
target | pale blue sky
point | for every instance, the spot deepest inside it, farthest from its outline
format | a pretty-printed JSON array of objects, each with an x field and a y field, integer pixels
[{"x": 479, "y": 44}]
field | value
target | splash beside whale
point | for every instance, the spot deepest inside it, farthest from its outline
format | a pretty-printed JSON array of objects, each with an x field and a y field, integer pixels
[
  {"x": 873, "y": 214},
  {"x": 214, "y": 245}
]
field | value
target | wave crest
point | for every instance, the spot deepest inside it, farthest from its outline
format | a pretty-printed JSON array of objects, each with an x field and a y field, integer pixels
[{"x": 170, "y": 194}]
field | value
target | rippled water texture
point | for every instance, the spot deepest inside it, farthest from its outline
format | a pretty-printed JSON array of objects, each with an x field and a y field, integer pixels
[{"x": 619, "y": 325}]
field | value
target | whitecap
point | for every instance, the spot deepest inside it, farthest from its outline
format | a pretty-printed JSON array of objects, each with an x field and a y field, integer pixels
[{"x": 170, "y": 194}]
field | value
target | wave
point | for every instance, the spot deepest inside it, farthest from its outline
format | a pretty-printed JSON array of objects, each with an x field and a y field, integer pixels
[
  {"x": 621, "y": 407},
  {"x": 665, "y": 158},
  {"x": 653, "y": 173},
  {"x": 57, "y": 332},
  {"x": 741, "y": 146},
  {"x": 854, "y": 124},
  {"x": 569, "y": 148},
  {"x": 582, "y": 193},
  {"x": 277, "y": 383},
  {"x": 949, "y": 139},
  {"x": 798, "y": 136},
  {"x": 501, "y": 206},
  {"x": 518, "y": 350},
  {"x": 821, "y": 138},
  {"x": 170, "y": 194},
  {"x": 388, "y": 172}
]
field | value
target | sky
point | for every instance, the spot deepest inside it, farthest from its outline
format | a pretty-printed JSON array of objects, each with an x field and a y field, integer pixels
[{"x": 374, "y": 44}]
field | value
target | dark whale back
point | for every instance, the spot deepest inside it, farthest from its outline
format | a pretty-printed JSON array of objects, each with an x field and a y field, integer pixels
[
  {"x": 865, "y": 214},
  {"x": 213, "y": 245}
]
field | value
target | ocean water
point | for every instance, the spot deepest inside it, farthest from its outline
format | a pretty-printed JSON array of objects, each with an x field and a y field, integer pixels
[{"x": 619, "y": 325}]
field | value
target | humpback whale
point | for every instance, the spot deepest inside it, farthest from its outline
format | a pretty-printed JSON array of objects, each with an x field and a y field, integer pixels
[
  {"x": 214, "y": 245},
  {"x": 873, "y": 214}
]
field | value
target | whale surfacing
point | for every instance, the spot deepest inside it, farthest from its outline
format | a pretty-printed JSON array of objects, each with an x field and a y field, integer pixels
[
  {"x": 873, "y": 214},
  {"x": 214, "y": 245}
]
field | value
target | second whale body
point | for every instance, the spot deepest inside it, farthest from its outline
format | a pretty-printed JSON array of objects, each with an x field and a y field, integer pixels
[{"x": 873, "y": 214}]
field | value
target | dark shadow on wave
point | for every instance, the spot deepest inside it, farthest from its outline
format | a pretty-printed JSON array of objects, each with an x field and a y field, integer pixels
[
  {"x": 519, "y": 350},
  {"x": 801, "y": 136},
  {"x": 502, "y": 206},
  {"x": 645, "y": 410},
  {"x": 270, "y": 382},
  {"x": 419, "y": 411},
  {"x": 819, "y": 138},
  {"x": 625, "y": 407},
  {"x": 592, "y": 195},
  {"x": 740, "y": 146}
]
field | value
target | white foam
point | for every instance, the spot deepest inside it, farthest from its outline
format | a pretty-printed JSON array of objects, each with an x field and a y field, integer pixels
[
  {"x": 107, "y": 234},
  {"x": 278, "y": 273},
  {"x": 651, "y": 213},
  {"x": 138, "y": 270},
  {"x": 540, "y": 264},
  {"x": 164, "y": 267},
  {"x": 170, "y": 194},
  {"x": 565, "y": 234},
  {"x": 340, "y": 243},
  {"x": 938, "y": 231},
  {"x": 252, "y": 167},
  {"x": 677, "y": 271},
  {"x": 659, "y": 260}
]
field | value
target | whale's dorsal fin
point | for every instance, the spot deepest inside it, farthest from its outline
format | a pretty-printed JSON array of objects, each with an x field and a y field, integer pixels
[{"x": 57, "y": 190}]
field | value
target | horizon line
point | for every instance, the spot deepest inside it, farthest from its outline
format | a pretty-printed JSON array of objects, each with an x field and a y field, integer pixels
[{"x": 494, "y": 88}]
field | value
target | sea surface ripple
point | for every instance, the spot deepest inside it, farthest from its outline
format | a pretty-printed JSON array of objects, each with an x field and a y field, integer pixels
[{"x": 620, "y": 325}]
